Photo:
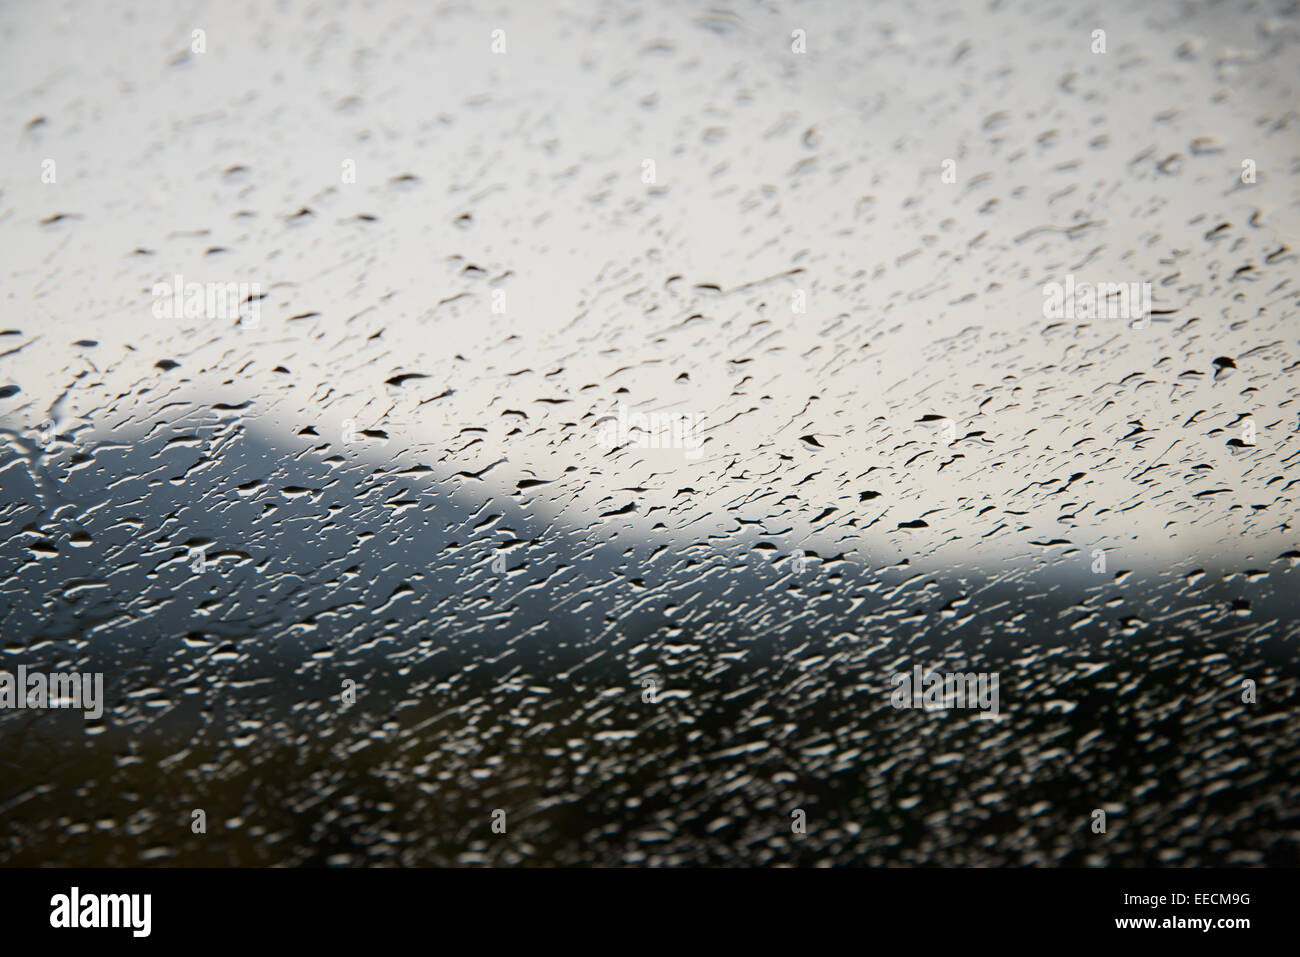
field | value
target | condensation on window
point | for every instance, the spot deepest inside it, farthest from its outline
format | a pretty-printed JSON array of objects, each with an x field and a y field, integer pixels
[{"x": 577, "y": 433}]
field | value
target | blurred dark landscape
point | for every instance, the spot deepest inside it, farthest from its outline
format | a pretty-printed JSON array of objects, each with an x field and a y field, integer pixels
[
  {"x": 364, "y": 565},
  {"x": 541, "y": 712}
]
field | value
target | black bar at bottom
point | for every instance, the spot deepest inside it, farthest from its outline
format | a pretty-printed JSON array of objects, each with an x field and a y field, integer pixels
[{"x": 333, "y": 907}]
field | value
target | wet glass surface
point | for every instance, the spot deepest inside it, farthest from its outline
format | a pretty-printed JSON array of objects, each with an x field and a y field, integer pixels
[{"x": 615, "y": 406}]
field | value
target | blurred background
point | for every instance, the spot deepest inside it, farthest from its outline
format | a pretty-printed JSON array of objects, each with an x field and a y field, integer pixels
[{"x": 822, "y": 230}]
